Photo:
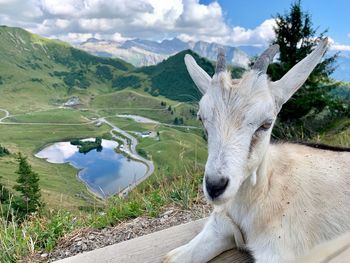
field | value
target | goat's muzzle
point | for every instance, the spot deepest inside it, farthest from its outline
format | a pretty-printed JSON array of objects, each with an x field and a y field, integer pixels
[{"x": 216, "y": 186}]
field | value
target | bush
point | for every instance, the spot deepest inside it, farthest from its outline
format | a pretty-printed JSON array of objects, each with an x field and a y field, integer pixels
[
  {"x": 87, "y": 146},
  {"x": 3, "y": 151},
  {"x": 142, "y": 152}
]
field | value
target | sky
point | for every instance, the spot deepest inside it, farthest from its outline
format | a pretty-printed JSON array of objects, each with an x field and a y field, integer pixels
[{"x": 230, "y": 22}]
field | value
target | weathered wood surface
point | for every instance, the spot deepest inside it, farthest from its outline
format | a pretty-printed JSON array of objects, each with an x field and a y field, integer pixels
[{"x": 151, "y": 248}]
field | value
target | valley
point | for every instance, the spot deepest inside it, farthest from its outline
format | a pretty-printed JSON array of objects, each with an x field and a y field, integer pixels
[{"x": 48, "y": 126}]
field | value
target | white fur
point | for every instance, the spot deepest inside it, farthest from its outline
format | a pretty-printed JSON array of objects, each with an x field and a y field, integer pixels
[{"x": 282, "y": 199}]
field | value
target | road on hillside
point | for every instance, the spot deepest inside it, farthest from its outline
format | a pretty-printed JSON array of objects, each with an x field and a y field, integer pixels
[
  {"x": 130, "y": 149},
  {"x": 7, "y": 114}
]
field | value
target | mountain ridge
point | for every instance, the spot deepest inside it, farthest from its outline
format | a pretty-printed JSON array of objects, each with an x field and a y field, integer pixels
[
  {"x": 48, "y": 72},
  {"x": 151, "y": 52}
]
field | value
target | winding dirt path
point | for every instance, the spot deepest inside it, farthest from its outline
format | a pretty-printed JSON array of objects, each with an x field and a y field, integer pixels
[
  {"x": 7, "y": 114},
  {"x": 130, "y": 149}
]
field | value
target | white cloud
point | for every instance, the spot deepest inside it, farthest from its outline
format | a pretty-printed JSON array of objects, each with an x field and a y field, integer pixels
[
  {"x": 339, "y": 47},
  {"x": 259, "y": 36},
  {"x": 117, "y": 37},
  {"x": 336, "y": 46},
  {"x": 77, "y": 20}
]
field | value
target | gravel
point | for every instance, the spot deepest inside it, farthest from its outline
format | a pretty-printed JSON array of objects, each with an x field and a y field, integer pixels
[{"x": 89, "y": 239}]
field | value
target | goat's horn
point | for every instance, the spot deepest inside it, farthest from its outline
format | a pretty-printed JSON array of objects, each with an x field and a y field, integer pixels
[
  {"x": 266, "y": 58},
  {"x": 221, "y": 62}
]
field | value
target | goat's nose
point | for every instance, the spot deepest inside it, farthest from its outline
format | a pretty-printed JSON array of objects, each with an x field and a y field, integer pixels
[{"x": 215, "y": 187}]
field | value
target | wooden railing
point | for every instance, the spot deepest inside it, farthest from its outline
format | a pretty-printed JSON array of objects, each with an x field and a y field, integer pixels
[{"x": 152, "y": 248}]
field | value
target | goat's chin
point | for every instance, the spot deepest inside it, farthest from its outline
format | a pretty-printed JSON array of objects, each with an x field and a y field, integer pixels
[
  {"x": 220, "y": 200},
  {"x": 217, "y": 201}
]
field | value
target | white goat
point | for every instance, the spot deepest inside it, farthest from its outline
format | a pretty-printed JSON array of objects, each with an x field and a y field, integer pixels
[{"x": 275, "y": 200}]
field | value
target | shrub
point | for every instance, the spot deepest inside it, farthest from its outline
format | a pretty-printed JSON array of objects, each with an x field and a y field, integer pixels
[{"x": 3, "y": 151}]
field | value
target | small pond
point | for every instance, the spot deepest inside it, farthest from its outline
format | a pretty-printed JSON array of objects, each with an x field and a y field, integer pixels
[{"x": 104, "y": 172}]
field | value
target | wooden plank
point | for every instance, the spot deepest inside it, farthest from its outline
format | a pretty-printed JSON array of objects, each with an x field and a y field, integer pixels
[{"x": 151, "y": 248}]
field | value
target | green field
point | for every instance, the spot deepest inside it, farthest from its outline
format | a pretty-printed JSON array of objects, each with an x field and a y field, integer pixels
[
  {"x": 136, "y": 102},
  {"x": 174, "y": 145},
  {"x": 59, "y": 181},
  {"x": 2, "y": 114},
  {"x": 68, "y": 116}
]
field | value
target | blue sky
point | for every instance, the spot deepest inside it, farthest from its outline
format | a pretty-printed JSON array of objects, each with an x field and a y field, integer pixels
[
  {"x": 333, "y": 15},
  {"x": 229, "y": 22}
]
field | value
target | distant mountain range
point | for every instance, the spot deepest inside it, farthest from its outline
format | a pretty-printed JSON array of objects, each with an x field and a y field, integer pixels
[{"x": 141, "y": 52}]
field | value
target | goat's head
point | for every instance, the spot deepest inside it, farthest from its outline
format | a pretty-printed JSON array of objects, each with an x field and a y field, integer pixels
[{"x": 238, "y": 116}]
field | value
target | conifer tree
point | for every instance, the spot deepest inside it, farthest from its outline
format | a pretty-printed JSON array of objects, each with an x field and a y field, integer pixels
[
  {"x": 296, "y": 37},
  {"x": 28, "y": 185}
]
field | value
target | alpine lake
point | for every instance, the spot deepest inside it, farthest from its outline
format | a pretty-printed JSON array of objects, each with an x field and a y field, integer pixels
[{"x": 104, "y": 171}]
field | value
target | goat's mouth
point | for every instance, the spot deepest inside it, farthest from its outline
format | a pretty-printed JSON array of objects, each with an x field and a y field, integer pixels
[{"x": 220, "y": 200}]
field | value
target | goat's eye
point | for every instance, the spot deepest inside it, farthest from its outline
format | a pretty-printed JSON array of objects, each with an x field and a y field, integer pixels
[
  {"x": 205, "y": 130},
  {"x": 265, "y": 126}
]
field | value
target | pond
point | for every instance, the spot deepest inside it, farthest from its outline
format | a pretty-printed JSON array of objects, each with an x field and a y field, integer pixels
[{"x": 105, "y": 172}]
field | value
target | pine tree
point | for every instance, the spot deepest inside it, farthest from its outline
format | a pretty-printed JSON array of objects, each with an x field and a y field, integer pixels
[
  {"x": 296, "y": 37},
  {"x": 28, "y": 186}
]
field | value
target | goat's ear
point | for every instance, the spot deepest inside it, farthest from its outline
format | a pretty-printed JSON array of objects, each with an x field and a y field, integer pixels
[
  {"x": 198, "y": 75},
  {"x": 284, "y": 88}
]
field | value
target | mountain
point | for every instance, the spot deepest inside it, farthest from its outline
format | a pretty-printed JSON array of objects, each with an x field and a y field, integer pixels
[
  {"x": 130, "y": 51},
  {"x": 234, "y": 56},
  {"x": 49, "y": 70},
  {"x": 146, "y": 52},
  {"x": 171, "y": 79},
  {"x": 165, "y": 47},
  {"x": 168, "y": 78},
  {"x": 36, "y": 72}
]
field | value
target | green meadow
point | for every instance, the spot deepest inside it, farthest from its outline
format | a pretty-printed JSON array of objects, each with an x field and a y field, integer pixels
[{"x": 64, "y": 116}]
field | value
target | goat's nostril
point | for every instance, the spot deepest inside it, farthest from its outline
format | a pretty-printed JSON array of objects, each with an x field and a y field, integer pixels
[{"x": 215, "y": 187}]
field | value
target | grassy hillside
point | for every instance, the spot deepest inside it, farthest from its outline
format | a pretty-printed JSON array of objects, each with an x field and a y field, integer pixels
[
  {"x": 39, "y": 73},
  {"x": 171, "y": 79},
  {"x": 131, "y": 101},
  {"x": 168, "y": 78},
  {"x": 36, "y": 72}
]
